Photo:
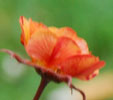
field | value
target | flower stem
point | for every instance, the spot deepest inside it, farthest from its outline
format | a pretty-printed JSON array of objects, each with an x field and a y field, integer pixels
[{"x": 43, "y": 84}]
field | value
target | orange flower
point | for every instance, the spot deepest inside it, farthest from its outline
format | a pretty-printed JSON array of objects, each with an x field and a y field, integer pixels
[
  {"x": 57, "y": 54},
  {"x": 59, "y": 49}
]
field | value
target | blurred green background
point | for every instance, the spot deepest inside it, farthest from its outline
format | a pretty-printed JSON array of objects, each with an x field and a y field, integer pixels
[{"x": 92, "y": 20}]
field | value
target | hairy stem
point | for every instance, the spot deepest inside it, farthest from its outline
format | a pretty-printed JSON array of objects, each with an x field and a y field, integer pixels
[
  {"x": 81, "y": 92},
  {"x": 43, "y": 84}
]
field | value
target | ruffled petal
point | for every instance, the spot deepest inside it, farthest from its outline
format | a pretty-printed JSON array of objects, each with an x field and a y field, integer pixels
[
  {"x": 25, "y": 35},
  {"x": 91, "y": 72},
  {"x": 41, "y": 45},
  {"x": 70, "y": 33},
  {"x": 64, "y": 32},
  {"x": 34, "y": 26},
  {"x": 29, "y": 27},
  {"x": 89, "y": 76},
  {"x": 82, "y": 45},
  {"x": 81, "y": 65},
  {"x": 64, "y": 48}
]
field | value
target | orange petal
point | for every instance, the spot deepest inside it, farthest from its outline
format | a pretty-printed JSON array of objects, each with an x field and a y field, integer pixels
[
  {"x": 82, "y": 45},
  {"x": 91, "y": 72},
  {"x": 41, "y": 45},
  {"x": 70, "y": 33},
  {"x": 64, "y": 48},
  {"x": 81, "y": 65},
  {"x": 28, "y": 28},
  {"x": 24, "y": 23},
  {"x": 34, "y": 26},
  {"x": 65, "y": 32},
  {"x": 89, "y": 76}
]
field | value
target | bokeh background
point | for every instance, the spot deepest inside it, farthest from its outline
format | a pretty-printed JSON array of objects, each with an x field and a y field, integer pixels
[{"x": 92, "y": 20}]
